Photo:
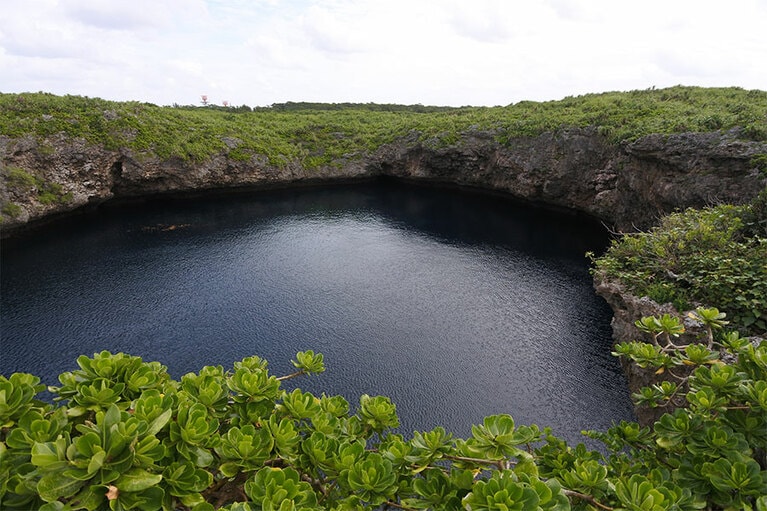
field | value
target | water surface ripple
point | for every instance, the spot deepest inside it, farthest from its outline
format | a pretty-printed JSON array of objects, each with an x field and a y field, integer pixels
[{"x": 457, "y": 305}]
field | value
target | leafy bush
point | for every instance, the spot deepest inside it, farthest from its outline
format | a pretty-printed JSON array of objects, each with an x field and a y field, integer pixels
[
  {"x": 17, "y": 178},
  {"x": 123, "y": 435},
  {"x": 715, "y": 255},
  {"x": 321, "y": 134},
  {"x": 10, "y": 209},
  {"x": 126, "y": 436},
  {"x": 759, "y": 162}
]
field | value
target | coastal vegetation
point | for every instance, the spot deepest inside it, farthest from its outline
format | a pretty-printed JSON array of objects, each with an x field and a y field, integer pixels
[
  {"x": 327, "y": 134},
  {"x": 121, "y": 434},
  {"x": 715, "y": 255},
  {"x": 126, "y": 436}
]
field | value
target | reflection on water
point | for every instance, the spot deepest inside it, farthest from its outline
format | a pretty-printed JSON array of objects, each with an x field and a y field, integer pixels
[{"x": 457, "y": 305}]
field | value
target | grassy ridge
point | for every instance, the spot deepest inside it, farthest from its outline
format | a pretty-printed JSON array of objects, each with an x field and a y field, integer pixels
[{"x": 318, "y": 134}]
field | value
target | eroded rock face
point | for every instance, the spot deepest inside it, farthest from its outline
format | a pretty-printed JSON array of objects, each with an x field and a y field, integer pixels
[
  {"x": 86, "y": 174},
  {"x": 627, "y": 186},
  {"x": 627, "y": 309}
]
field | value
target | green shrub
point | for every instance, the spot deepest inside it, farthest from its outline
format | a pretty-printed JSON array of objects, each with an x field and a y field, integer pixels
[
  {"x": 18, "y": 178},
  {"x": 755, "y": 217},
  {"x": 126, "y": 436},
  {"x": 47, "y": 192},
  {"x": 319, "y": 134},
  {"x": 759, "y": 162},
  {"x": 715, "y": 255},
  {"x": 11, "y": 209},
  {"x": 667, "y": 292},
  {"x": 755, "y": 132},
  {"x": 52, "y": 193}
]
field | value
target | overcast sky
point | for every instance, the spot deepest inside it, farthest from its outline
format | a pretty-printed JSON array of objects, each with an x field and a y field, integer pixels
[{"x": 433, "y": 52}]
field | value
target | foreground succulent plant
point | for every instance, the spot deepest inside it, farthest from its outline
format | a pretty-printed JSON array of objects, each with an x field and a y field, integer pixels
[{"x": 126, "y": 436}]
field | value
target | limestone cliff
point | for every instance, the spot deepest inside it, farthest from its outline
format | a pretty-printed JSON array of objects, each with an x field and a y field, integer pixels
[
  {"x": 627, "y": 186},
  {"x": 627, "y": 309}
]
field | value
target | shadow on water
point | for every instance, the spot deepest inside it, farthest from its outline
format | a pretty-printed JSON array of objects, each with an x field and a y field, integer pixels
[{"x": 455, "y": 304}]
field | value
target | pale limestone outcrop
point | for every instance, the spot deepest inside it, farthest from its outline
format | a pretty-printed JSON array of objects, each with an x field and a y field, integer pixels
[{"x": 627, "y": 186}]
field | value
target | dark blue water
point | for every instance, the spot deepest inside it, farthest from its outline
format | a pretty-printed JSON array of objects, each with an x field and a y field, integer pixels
[{"x": 457, "y": 305}]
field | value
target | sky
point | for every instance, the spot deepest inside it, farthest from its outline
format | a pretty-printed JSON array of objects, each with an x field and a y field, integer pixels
[{"x": 430, "y": 52}]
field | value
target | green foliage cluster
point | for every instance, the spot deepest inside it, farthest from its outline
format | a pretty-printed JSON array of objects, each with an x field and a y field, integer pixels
[
  {"x": 10, "y": 209},
  {"x": 48, "y": 192},
  {"x": 126, "y": 436},
  {"x": 713, "y": 255},
  {"x": 18, "y": 179},
  {"x": 372, "y": 107},
  {"x": 325, "y": 134},
  {"x": 759, "y": 162}
]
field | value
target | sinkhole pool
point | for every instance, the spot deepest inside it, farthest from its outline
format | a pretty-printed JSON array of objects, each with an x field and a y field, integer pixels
[{"x": 454, "y": 303}]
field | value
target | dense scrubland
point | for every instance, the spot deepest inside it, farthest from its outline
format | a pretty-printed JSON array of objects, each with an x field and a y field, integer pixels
[
  {"x": 124, "y": 435},
  {"x": 318, "y": 134},
  {"x": 713, "y": 256}
]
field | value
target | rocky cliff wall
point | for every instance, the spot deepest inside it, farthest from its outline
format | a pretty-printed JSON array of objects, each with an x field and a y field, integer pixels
[
  {"x": 627, "y": 186},
  {"x": 627, "y": 309}
]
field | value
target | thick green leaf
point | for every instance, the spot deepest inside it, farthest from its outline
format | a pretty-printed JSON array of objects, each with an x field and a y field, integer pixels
[
  {"x": 137, "y": 479},
  {"x": 90, "y": 498},
  {"x": 97, "y": 461},
  {"x": 159, "y": 422},
  {"x": 56, "y": 485},
  {"x": 45, "y": 454},
  {"x": 52, "y": 506}
]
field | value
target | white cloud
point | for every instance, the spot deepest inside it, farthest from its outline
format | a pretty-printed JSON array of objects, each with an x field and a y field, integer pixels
[
  {"x": 486, "y": 52},
  {"x": 135, "y": 15},
  {"x": 333, "y": 34},
  {"x": 111, "y": 15},
  {"x": 42, "y": 41}
]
